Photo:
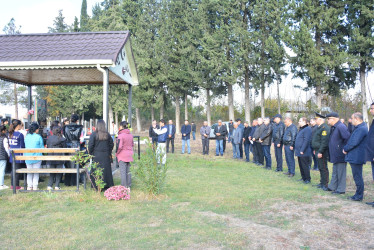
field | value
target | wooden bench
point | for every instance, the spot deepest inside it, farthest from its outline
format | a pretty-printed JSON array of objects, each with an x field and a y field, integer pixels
[{"x": 70, "y": 151}]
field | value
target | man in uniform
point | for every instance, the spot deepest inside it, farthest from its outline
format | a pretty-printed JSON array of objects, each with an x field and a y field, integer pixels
[{"x": 320, "y": 142}]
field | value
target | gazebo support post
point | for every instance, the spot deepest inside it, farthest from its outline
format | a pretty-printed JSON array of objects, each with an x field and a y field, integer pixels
[
  {"x": 105, "y": 72},
  {"x": 29, "y": 103},
  {"x": 130, "y": 105}
]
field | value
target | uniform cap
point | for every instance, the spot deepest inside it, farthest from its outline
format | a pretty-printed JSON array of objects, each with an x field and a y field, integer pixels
[
  {"x": 318, "y": 115},
  {"x": 332, "y": 114}
]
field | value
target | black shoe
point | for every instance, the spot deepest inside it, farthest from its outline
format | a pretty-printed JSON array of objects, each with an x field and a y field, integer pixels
[
  {"x": 325, "y": 188},
  {"x": 328, "y": 189},
  {"x": 217, "y": 155},
  {"x": 354, "y": 199},
  {"x": 306, "y": 182},
  {"x": 337, "y": 192},
  {"x": 370, "y": 203}
]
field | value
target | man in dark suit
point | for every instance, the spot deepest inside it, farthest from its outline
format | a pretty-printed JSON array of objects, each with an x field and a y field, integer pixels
[
  {"x": 152, "y": 135},
  {"x": 241, "y": 127},
  {"x": 171, "y": 136},
  {"x": 247, "y": 131},
  {"x": 220, "y": 132},
  {"x": 186, "y": 131}
]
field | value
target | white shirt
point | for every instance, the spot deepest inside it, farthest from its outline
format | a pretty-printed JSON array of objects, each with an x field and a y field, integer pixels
[{"x": 160, "y": 131}]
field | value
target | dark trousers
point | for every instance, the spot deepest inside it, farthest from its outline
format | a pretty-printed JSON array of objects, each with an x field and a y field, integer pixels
[
  {"x": 357, "y": 177},
  {"x": 70, "y": 179},
  {"x": 224, "y": 145},
  {"x": 170, "y": 140},
  {"x": 315, "y": 162},
  {"x": 290, "y": 159},
  {"x": 246, "y": 150},
  {"x": 205, "y": 143},
  {"x": 241, "y": 149},
  {"x": 372, "y": 169},
  {"x": 323, "y": 170},
  {"x": 56, "y": 177},
  {"x": 279, "y": 156},
  {"x": 260, "y": 153},
  {"x": 304, "y": 167},
  {"x": 266, "y": 150},
  {"x": 18, "y": 166},
  {"x": 254, "y": 152}
]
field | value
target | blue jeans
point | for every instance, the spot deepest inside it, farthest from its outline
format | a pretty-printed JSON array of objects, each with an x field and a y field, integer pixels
[
  {"x": 193, "y": 135},
  {"x": 235, "y": 151},
  {"x": 357, "y": 177},
  {"x": 266, "y": 149},
  {"x": 290, "y": 159},
  {"x": 372, "y": 169},
  {"x": 246, "y": 151},
  {"x": 2, "y": 171},
  {"x": 219, "y": 147},
  {"x": 188, "y": 146},
  {"x": 279, "y": 156}
]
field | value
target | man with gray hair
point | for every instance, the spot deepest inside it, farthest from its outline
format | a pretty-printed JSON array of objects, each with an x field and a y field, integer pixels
[
  {"x": 220, "y": 131},
  {"x": 354, "y": 151},
  {"x": 265, "y": 139},
  {"x": 255, "y": 138},
  {"x": 236, "y": 138},
  {"x": 205, "y": 132}
]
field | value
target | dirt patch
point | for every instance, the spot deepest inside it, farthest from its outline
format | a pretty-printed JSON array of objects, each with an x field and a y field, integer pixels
[{"x": 323, "y": 225}]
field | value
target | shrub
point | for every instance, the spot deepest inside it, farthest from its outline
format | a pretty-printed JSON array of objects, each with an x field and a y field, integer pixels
[{"x": 150, "y": 174}]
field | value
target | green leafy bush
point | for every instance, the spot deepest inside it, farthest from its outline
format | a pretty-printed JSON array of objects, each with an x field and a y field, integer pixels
[{"x": 149, "y": 173}]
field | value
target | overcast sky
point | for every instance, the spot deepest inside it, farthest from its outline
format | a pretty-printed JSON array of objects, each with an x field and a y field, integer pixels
[{"x": 35, "y": 16}]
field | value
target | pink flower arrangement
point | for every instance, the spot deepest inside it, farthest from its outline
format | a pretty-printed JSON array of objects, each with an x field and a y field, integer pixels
[
  {"x": 117, "y": 193},
  {"x": 30, "y": 112}
]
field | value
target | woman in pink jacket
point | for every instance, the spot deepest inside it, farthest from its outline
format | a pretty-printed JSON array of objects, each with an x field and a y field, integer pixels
[{"x": 125, "y": 144}]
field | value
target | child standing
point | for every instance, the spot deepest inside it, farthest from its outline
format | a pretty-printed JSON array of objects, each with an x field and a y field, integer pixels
[{"x": 33, "y": 140}]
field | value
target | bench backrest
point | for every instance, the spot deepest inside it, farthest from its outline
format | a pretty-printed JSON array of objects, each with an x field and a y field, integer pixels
[{"x": 71, "y": 151}]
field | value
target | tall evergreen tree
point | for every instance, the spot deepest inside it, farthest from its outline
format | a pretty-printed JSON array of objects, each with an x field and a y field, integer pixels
[{"x": 84, "y": 16}]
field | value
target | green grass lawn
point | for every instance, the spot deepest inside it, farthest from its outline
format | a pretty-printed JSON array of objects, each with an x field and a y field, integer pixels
[{"x": 208, "y": 202}]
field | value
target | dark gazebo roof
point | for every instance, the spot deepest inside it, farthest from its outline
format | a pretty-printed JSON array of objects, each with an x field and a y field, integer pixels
[{"x": 67, "y": 58}]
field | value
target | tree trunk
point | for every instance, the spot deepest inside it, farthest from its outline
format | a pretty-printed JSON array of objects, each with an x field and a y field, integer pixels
[
  {"x": 278, "y": 96},
  {"x": 138, "y": 121},
  {"x": 263, "y": 99},
  {"x": 208, "y": 115},
  {"x": 363, "y": 91},
  {"x": 247, "y": 98},
  {"x": 162, "y": 108},
  {"x": 177, "y": 115},
  {"x": 152, "y": 113},
  {"x": 116, "y": 119},
  {"x": 319, "y": 97},
  {"x": 15, "y": 101},
  {"x": 185, "y": 107},
  {"x": 230, "y": 100}
]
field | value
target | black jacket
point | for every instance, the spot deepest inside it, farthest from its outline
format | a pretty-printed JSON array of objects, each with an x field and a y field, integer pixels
[
  {"x": 222, "y": 131},
  {"x": 152, "y": 133},
  {"x": 320, "y": 140},
  {"x": 72, "y": 133},
  {"x": 247, "y": 131},
  {"x": 266, "y": 135},
  {"x": 54, "y": 141},
  {"x": 193, "y": 127},
  {"x": 3, "y": 153},
  {"x": 257, "y": 134},
  {"x": 289, "y": 136},
  {"x": 278, "y": 131}
]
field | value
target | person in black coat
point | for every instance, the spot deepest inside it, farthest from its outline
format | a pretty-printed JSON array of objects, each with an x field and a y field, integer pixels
[
  {"x": 55, "y": 141},
  {"x": 278, "y": 131},
  {"x": 152, "y": 135},
  {"x": 101, "y": 147},
  {"x": 247, "y": 132},
  {"x": 74, "y": 137},
  {"x": 220, "y": 132}
]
